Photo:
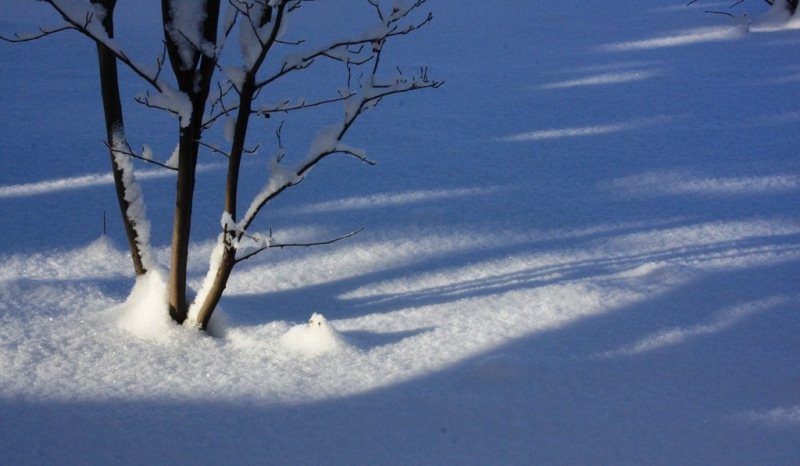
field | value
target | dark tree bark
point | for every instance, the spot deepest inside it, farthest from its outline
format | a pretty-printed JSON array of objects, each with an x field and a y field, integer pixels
[
  {"x": 194, "y": 79},
  {"x": 112, "y": 108},
  {"x": 244, "y": 112}
]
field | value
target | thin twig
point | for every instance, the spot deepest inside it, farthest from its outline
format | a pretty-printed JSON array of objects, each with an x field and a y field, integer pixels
[
  {"x": 214, "y": 149},
  {"x": 285, "y": 108},
  {"x": 131, "y": 153},
  {"x": 720, "y": 13},
  {"x": 42, "y": 33},
  {"x": 297, "y": 245}
]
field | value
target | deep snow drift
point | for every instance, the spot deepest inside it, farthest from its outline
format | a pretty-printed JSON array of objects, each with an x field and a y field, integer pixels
[{"x": 584, "y": 249}]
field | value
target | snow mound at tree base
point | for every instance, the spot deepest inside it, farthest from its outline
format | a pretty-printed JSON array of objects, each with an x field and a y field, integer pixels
[
  {"x": 146, "y": 311},
  {"x": 315, "y": 338}
]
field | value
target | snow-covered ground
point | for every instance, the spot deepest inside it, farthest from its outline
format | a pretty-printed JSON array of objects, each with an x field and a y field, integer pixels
[{"x": 583, "y": 249}]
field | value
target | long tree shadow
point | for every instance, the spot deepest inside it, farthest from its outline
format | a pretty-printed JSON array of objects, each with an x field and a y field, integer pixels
[
  {"x": 365, "y": 340},
  {"x": 332, "y": 297},
  {"x": 293, "y": 304}
]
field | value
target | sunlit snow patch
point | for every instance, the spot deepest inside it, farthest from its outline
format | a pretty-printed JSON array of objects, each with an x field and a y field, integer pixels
[
  {"x": 721, "y": 321},
  {"x": 685, "y": 183},
  {"x": 603, "y": 79},
  {"x": 786, "y": 416},
  {"x": 582, "y": 131},
  {"x": 314, "y": 338},
  {"x": 681, "y": 38}
]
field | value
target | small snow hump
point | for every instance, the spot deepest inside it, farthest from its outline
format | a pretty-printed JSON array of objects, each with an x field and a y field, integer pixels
[{"x": 314, "y": 338}]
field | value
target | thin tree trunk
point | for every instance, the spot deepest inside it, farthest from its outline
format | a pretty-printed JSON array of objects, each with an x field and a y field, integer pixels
[
  {"x": 112, "y": 107},
  {"x": 195, "y": 82},
  {"x": 182, "y": 224},
  {"x": 246, "y": 95},
  {"x": 211, "y": 300}
]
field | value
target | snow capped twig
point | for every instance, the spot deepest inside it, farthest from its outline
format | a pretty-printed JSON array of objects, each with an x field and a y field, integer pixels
[{"x": 170, "y": 100}]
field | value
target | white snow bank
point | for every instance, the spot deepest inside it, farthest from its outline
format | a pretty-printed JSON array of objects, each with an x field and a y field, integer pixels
[{"x": 315, "y": 338}]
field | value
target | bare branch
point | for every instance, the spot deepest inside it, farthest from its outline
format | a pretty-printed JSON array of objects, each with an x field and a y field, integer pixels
[
  {"x": 220, "y": 101},
  {"x": 355, "y": 154},
  {"x": 720, "y": 13},
  {"x": 100, "y": 36},
  {"x": 160, "y": 60},
  {"x": 145, "y": 100},
  {"x": 375, "y": 4},
  {"x": 290, "y": 42},
  {"x": 355, "y": 104},
  {"x": 213, "y": 118},
  {"x": 284, "y": 107},
  {"x": 272, "y": 245},
  {"x": 214, "y": 149},
  {"x": 344, "y": 47},
  {"x": 296, "y": 4},
  {"x": 130, "y": 153},
  {"x": 36, "y": 36},
  {"x": 199, "y": 47},
  {"x": 252, "y": 151},
  {"x": 366, "y": 100}
]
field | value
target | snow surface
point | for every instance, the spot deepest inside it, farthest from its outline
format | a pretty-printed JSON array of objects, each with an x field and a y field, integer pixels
[{"x": 583, "y": 249}]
